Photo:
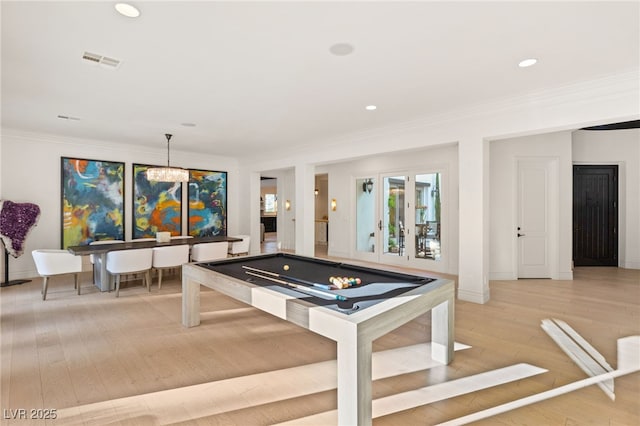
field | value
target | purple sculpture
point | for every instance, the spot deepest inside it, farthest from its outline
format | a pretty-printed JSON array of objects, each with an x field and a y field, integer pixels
[{"x": 16, "y": 221}]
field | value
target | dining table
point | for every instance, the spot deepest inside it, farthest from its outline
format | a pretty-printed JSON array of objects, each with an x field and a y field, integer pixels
[{"x": 99, "y": 251}]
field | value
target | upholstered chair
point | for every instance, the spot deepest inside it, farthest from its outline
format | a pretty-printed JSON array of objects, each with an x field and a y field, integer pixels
[
  {"x": 237, "y": 248},
  {"x": 56, "y": 262},
  {"x": 135, "y": 261},
  {"x": 169, "y": 257},
  {"x": 206, "y": 252}
]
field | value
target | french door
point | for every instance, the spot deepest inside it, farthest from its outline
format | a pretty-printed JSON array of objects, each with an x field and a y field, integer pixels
[
  {"x": 394, "y": 232},
  {"x": 398, "y": 219}
]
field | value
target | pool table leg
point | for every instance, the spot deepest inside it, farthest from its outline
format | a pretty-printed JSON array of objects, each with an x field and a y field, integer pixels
[
  {"x": 354, "y": 379},
  {"x": 190, "y": 302},
  {"x": 442, "y": 338}
]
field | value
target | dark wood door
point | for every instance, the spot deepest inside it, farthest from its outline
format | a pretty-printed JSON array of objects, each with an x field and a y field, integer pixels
[{"x": 595, "y": 215}]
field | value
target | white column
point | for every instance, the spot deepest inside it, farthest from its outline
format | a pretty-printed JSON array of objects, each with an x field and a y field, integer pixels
[
  {"x": 305, "y": 209},
  {"x": 247, "y": 218},
  {"x": 473, "y": 270},
  {"x": 253, "y": 206}
]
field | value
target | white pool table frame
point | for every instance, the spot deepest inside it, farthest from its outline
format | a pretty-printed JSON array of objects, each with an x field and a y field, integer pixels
[{"x": 353, "y": 333}]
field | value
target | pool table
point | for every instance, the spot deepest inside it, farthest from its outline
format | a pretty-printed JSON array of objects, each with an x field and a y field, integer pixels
[{"x": 382, "y": 302}]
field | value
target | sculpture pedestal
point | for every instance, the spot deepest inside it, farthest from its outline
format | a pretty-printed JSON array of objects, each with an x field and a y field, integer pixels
[
  {"x": 6, "y": 282},
  {"x": 14, "y": 282}
]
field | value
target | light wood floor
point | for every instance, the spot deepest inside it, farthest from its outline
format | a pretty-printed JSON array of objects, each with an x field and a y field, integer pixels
[{"x": 101, "y": 360}]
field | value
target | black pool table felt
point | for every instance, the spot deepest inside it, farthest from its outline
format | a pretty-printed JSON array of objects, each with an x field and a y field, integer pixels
[{"x": 377, "y": 285}]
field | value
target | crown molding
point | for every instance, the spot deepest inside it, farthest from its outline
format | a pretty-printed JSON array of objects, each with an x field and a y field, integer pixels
[
  {"x": 472, "y": 119},
  {"x": 136, "y": 150},
  {"x": 607, "y": 87}
]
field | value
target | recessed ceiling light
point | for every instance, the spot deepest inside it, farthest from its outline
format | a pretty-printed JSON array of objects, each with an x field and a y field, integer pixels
[
  {"x": 341, "y": 49},
  {"x": 127, "y": 10},
  {"x": 188, "y": 124},
  {"x": 527, "y": 62},
  {"x": 370, "y": 107}
]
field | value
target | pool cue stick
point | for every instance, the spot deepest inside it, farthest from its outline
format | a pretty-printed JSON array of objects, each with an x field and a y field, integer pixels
[
  {"x": 302, "y": 288},
  {"x": 288, "y": 277}
]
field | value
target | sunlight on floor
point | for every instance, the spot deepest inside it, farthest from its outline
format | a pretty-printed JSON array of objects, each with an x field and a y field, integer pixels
[{"x": 197, "y": 401}]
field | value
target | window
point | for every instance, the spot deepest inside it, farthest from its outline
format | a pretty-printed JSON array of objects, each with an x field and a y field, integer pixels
[
  {"x": 270, "y": 203},
  {"x": 427, "y": 218}
]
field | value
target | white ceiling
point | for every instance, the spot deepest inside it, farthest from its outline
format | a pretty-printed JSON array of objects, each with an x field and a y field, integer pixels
[{"x": 256, "y": 76}]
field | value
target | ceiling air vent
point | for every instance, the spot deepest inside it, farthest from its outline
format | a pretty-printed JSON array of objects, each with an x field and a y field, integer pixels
[
  {"x": 68, "y": 117},
  {"x": 101, "y": 60}
]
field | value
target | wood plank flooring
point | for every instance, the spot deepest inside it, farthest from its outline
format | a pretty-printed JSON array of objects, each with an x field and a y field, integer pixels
[{"x": 128, "y": 361}]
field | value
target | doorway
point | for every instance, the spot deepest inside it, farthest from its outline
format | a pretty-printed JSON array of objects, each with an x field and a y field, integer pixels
[
  {"x": 595, "y": 215},
  {"x": 321, "y": 215},
  {"x": 268, "y": 214}
]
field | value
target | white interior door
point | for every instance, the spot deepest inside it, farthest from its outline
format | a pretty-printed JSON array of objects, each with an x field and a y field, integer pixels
[{"x": 533, "y": 218}]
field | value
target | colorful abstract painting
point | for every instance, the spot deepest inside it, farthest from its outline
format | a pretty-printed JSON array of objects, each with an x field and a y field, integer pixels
[
  {"x": 157, "y": 206},
  {"x": 92, "y": 201},
  {"x": 207, "y": 203}
]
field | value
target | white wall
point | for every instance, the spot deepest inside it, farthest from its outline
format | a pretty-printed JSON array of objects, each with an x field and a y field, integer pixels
[
  {"x": 606, "y": 100},
  {"x": 621, "y": 147},
  {"x": 31, "y": 173},
  {"x": 609, "y": 99},
  {"x": 503, "y": 202}
]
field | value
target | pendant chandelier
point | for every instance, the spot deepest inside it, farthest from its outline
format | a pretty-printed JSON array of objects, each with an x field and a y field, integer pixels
[{"x": 167, "y": 174}]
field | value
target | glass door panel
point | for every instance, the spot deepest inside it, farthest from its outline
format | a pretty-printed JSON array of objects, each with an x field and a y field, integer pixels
[
  {"x": 427, "y": 216},
  {"x": 365, "y": 215},
  {"x": 393, "y": 220}
]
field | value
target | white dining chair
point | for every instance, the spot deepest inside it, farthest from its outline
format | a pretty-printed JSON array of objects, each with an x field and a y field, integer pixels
[
  {"x": 56, "y": 262},
  {"x": 132, "y": 261},
  {"x": 205, "y": 252},
  {"x": 237, "y": 248},
  {"x": 168, "y": 258}
]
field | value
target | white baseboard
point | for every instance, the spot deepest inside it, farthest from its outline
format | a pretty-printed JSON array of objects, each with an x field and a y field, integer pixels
[
  {"x": 508, "y": 276},
  {"x": 338, "y": 253},
  {"x": 631, "y": 265},
  {"x": 502, "y": 276},
  {"x": 23, "y": 275},
  {"x": 564, "y": 276},
  {"x": 472, "y": 296}
]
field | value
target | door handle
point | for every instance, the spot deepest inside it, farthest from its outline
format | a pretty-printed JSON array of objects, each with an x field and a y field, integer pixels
[
  {"x": 380, "y": 225},
  {"x": 520, "y": 235}
]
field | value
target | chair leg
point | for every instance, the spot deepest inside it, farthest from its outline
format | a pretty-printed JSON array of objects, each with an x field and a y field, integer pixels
[
  {"x": 118, "y": 285},
  {"x": 159, "y": 279},
  {"x": 77, "y": 282},
  {"x": 147, "y": 275},
  {"x": 45, "y": 284}
]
